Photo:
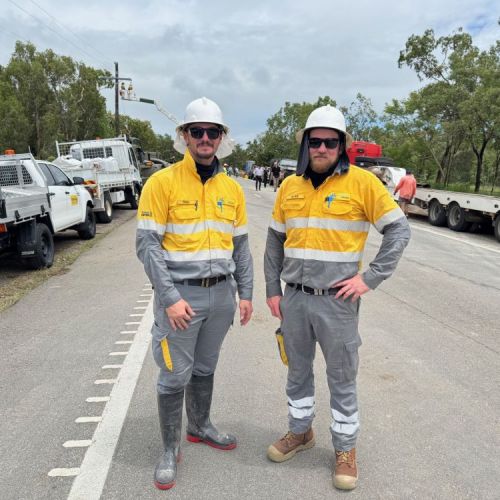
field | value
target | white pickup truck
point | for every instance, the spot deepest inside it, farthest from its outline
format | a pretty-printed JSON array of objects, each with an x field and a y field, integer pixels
[
  {"x": 37, "y": 200},
  {"x": 110, "y": 170}
]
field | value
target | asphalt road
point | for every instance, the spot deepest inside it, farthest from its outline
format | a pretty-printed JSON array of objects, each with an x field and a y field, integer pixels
[{"x": 428, "y": 383}]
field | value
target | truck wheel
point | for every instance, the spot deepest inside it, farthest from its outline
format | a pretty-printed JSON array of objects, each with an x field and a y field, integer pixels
[
  {"x": 44, "y": 249},
  {"x": 132, "y": 197},
  {"x": 456, "y": 218},
  {"x": 437, "y": 214},
  {"x": 107, "y": 215},
  {"x": 496, "y": 227},
  {"x": 86, "y": 230}
]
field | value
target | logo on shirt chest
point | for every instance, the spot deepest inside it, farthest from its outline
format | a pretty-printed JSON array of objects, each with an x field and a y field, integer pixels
[
  {"x": 336, "y": 197},
  {"x": 220, "y": 204}
]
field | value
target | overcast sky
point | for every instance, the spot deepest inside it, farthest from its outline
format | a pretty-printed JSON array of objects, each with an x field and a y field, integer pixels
[{"x": 250, "y": 57}]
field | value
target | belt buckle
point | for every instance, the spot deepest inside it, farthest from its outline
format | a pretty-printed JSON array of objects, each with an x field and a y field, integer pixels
[{"x": 205, "y": 282}]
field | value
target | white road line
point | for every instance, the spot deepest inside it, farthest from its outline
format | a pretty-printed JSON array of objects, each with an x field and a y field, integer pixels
[
  {"x": 124, "y": 342},
  {"x": 439, "y": 233},
  {"x": 140, "y": 308},
  {"x": 123, "y": 332},
  {"x": 104, "y": 381},
  {"x": 109, "y": 367},
  {"x": 64, "y": 472},
  {"x": 82, "y": 443},
  {"x": 257, "y": 195},
  {"x": 132, "y": 315},
  {"x": 97, "y": 399},
  {"x": 146, "y": 295},
  {"x": 118, "y": 353},
  {"x": 143, "y": 301},
  {"x": 90, "y": 481},
  {"x": 133, "y": 323},
  {"x": 87, "y": 420}
]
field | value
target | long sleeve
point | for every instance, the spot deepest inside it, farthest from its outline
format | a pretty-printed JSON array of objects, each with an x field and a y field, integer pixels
[
  {"x": 275, "y": 253},
  {"x": 389, "y": 220},
  {"x": 151, "y": 223},
  {"x": 242, "y": 257}
]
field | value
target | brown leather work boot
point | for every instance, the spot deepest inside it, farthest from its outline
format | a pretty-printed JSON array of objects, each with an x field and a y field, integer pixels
[
  {"x": 345, "y": 475},
  {"x": 286, "y": 447}
]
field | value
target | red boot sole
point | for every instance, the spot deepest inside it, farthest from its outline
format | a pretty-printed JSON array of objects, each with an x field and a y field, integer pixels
[
  {"x": 195, "y": 439},
  {"x": 167, "y": 486}
]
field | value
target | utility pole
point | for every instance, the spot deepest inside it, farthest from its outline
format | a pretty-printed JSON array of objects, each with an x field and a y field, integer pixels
[
  {"x": 116, "y": 80},
  {"x": 117, "y": 110}
]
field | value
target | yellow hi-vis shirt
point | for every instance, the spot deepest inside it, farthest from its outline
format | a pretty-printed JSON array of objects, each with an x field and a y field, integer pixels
[
  {"x": 196, "y": 225},
  {"x": 325, "y": 229}
]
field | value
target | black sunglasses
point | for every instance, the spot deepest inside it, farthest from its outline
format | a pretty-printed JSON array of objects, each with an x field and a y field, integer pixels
[
  {"x": 198, "y": 132},
  {"x": 315, "y": 143}
]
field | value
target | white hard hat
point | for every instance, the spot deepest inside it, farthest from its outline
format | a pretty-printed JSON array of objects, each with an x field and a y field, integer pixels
[
  {"x": 325, "y": 117},
  {"x": 204, "y": 110}
]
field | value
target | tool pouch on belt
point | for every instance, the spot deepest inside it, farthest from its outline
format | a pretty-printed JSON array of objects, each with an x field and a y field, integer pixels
[{"x": 281, "y": 347}]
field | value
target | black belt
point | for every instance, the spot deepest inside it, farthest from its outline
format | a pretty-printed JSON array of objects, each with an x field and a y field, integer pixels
[
  {"x": 204, "y": 282},
  {"x": 313, "y": 291}
]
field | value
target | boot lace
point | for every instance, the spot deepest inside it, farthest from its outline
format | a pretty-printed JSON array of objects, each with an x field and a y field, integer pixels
[{"x": 345, "y": 457}]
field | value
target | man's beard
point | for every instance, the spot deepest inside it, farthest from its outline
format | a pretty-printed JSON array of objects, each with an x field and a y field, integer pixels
[{"x": 321, "y": 166}]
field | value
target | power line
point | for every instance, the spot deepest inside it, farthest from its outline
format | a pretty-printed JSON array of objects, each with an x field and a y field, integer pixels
[
  {"x": 67, "y": 29},
  {"x": 51, "y": 29}
]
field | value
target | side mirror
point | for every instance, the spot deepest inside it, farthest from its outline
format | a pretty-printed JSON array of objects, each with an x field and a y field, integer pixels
[{"x": 78, "y": 180}]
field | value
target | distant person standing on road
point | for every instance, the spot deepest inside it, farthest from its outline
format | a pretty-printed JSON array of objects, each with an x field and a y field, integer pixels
[
  {"x": 192, "y": 238},
  {"x": 407, "y": 188},
  {"x": 315, "y": 244},
  {"x": 275, "y": 171},
  {"x": 258, "y": 173},
  {"x": 265, "y": 177}
]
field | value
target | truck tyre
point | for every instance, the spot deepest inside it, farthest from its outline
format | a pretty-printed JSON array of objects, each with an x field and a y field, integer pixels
[
  {"x": 44, "y": 249},
  {"x": 86, "y": 230},
  {"x": 456, "y": 218},
  {"x": 496, "y": 227},
  {"x": 132, "y": 196},
  {"x": 437, "y": 214},
  {"x": 106, "y": 216}
]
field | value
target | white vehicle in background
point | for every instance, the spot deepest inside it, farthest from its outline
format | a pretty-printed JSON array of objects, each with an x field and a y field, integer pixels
[
  {"x": 456, "y": 210},
  {"x": 110, "y": 170},
  {"x": 37, "y": 199}
]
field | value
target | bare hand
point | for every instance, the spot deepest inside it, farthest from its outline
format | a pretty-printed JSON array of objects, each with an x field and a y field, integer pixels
[
  {"x": 353, "y": 287},
  {"x": 274, "y": 305},
  {"x": 246, "y": 310},
  {"x": 179, "y": 314}
]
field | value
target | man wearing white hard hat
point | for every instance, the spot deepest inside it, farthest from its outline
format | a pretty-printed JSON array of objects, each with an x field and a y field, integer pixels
[
  {"x": 315, "y": 244},
  {"x": 192, "y": 238}
]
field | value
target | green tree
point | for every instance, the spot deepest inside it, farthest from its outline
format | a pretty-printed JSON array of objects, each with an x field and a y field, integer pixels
[{"x": 463, "y": 90}]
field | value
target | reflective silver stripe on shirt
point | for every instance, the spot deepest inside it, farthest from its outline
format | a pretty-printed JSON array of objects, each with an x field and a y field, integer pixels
[
  {"x": 301, "y": 408},
  {"x": 240, "y": 230},
  {"x": 197, "y": 256},
  {"x": 277, "y": 226},
  {"x": 323, "y": 223},
  {"x": 150, "y": 225},
  {"x": 323, "y": 255},
  {"x": 389, "y": 217},
  {"x": 198, "y": 227}
]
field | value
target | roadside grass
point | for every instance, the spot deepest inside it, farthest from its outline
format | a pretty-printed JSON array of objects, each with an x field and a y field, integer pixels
[{"x": 18, "y": 284}]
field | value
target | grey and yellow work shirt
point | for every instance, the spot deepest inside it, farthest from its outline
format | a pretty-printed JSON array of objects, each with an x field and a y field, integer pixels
[
  {"x": 317, "y": 236},
  {"x": 187, "y": 229}
]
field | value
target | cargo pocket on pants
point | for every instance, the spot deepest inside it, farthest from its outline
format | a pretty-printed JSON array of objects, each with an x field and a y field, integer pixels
[{"x": 350, "y": 361}]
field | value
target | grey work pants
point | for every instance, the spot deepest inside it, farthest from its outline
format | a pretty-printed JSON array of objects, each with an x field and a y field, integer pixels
[
  {"x": 196, "y": 349},
  {"x": 333, "y": 324}
]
